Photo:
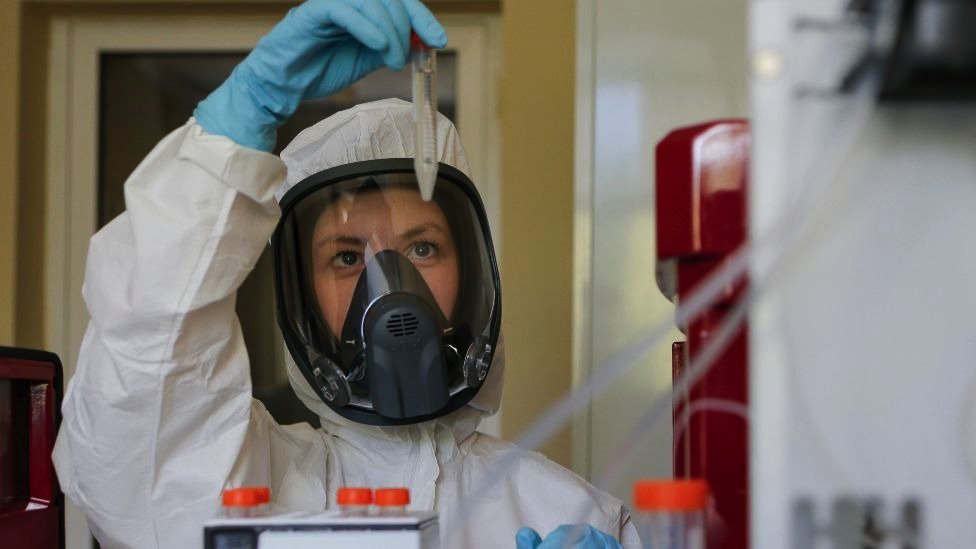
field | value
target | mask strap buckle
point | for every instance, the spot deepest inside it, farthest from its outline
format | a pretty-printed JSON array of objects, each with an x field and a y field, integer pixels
[{"x": 331, "y": 382}]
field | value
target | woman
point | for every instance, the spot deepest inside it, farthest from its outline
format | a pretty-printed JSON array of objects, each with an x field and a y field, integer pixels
[{"x": 159, "y": 418}]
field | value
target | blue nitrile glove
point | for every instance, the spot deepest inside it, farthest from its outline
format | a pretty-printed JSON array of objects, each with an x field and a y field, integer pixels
[
  {"x": 319, "y": 48},
  {"x": 586, "y": 537}
]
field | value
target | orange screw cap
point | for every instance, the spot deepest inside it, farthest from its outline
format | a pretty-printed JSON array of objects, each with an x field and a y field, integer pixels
[
  {"x": 392, "y": 497},
  {"x": 248, "y": 496},
  {"x": 354, "y": 496},
  {"x": 670, "y": 495}
]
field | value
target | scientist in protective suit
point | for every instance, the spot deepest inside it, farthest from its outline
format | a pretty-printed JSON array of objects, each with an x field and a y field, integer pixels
[{"x": 389, "y": 305}]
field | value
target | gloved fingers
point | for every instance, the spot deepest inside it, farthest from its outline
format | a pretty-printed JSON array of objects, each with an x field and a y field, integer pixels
[
  {"x": 527, "y": 538},
  {"x": 395, "y": 53},
  {"x": 564, "y": 537},
  {"x": 323, "y": 16},
  {"x": 401, "y": 21},
  {"x": 579, "y": 536},
  {"x": 426, "y": 25}
]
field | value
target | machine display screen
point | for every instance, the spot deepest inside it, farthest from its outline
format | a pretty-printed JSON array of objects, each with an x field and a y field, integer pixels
[{"x": 14, "y": 443}]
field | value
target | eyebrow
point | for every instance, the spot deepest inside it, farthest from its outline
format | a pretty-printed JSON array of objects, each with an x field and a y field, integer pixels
[
  {"x": 421, "y": 229},
  {"x": 341, "y": 239},
  {"x": 350, "y": 240}
]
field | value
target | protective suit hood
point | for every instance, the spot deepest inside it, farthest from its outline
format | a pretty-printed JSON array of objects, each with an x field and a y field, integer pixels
[
  {"x": 375, "y": 131},
  {"x": 161, "y": 399}
]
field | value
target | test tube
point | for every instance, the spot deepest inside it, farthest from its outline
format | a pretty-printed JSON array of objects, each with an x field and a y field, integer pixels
[
  {"x": 392, "y": 501},
  {"x": 354, "y": 501},
  {"x": 670, "y": 514},
  {"x": 246, "y": 502},
  {"x": 424, "y": 114}
]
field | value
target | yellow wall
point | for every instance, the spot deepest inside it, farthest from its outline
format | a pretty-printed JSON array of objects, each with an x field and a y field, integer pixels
[
  {"x": 9, "y": 96},
  {"x": 537, "y": 106},
  {"x": 29, "y": 329}
]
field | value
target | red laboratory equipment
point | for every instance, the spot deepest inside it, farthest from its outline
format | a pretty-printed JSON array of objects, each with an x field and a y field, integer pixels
[
  {"x": 702, "y": 177},
  {"x": 31, "y": 504}
]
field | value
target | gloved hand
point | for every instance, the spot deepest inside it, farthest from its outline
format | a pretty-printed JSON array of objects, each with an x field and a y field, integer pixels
[
  {"x": 319, "y": 48},
  {"x": 586, "y": 537}
]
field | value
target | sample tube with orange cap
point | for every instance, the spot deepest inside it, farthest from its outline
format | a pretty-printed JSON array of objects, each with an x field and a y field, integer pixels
[
  {"x": 670, "y": 514},
  {"x": 354, "y": 501},
  {"x": 248, "y": 501},
  {"x": 392, "y": 501}
]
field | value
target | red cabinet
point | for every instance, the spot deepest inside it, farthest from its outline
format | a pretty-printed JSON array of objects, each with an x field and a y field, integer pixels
[
  {"x": 702, "y": 176},
  {"x": 31, "y": 504}
]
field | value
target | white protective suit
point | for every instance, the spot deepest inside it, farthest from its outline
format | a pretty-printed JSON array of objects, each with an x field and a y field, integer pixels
[{"x": 159, "y": 418}]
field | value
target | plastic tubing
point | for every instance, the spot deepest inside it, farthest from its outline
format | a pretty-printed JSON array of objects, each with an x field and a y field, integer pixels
[
  {"x": 793, "y": 231},
  {"x": 774, "y": 246}
]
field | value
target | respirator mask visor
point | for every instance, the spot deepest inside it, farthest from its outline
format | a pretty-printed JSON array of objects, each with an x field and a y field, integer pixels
[{"x": 389, "y": 304}]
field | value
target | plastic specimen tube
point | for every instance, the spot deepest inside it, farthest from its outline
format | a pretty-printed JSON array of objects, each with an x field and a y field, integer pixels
[
  {"x": 424, "y": 115},
  {"x": 354, "y": 501},
  {"x": 392, "y": 501},
  {"x": 670, "y": 514},
  {"x": 246, "y": 502}
]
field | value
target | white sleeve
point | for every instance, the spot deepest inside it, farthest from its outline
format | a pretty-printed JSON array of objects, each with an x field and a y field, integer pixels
[
  {"x": 158, "y": 414},
  {"x": 628, "y": 533}
]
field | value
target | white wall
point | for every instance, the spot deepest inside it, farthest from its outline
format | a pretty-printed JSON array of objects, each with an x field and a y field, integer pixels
[{"x": 644, "y": 67}]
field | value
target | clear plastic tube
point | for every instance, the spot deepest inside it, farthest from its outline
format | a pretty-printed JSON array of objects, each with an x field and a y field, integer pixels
[
  {"x": 424, "y": 115},
  {"x": 670, "y": 514},
  {"x": 354, "y": 501},
  {"x": 674, "y": 530},
  {"x": 246, "y": 502},
  {"x": 392, "y": 502}
]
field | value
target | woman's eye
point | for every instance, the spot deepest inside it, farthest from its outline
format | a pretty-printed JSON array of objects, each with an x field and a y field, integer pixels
[
  {"x": 345, "y": 259},
  {"x": 422, "y": 250}
]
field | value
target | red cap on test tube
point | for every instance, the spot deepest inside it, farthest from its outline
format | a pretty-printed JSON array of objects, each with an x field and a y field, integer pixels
[
  {"x": 670, "y": 495},
  {"x": 392, "y": 497},
  {"x": 354, "y": 496},
  {"x": 248, "y": 496},
  {"x": 417, "y": 43}
]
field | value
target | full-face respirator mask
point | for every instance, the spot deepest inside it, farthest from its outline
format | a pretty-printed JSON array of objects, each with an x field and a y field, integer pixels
[{"x": 389, "y": 304}]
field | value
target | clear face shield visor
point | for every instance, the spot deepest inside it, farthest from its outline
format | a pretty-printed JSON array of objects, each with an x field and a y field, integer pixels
[{"x": 389, "y": 304}]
